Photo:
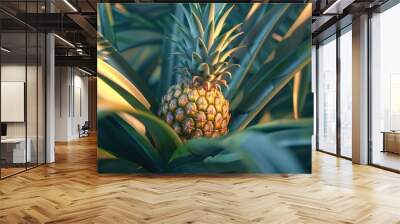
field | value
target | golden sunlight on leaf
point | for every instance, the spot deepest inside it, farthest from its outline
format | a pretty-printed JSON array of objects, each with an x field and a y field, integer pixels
[
  {"x": 277, "y": 37},
  {"x": 296, "y": 89},
  {"x": 305, "y": 15},
  {"x": 109, "y": 99},
  {"x": 121, "y": 8},
  {"x": 135, "y": 123},
  {"x": 103, "y": 154},
  {"x": 270, "y": 57},
  {"x": 253, "y": 9},
  {"x": 114, "y": 75},
  {"x": 265, "y": 118}
]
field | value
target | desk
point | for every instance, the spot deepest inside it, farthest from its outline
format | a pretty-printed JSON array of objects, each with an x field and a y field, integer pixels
[
  {"x": 18, "y": 149},
  {"x": 391, "y": 141}
]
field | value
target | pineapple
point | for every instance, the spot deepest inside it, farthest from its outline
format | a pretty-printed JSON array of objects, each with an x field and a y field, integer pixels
[{"x": 196, "y": 106}]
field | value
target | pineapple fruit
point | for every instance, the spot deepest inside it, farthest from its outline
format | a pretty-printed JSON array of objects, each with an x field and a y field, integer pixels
[{"x": 195, "y": 106}]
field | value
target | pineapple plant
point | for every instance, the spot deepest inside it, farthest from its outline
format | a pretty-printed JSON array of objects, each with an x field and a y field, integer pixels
[
  {"x": 196, "y": 106},
  {"x": 150, "y": 88}
]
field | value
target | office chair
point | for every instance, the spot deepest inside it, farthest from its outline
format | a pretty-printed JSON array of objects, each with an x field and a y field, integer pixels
[{"x": 84, "y": 130}]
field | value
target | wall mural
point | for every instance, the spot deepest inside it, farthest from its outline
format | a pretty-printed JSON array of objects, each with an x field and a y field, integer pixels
[{"x": 204, "y": 88}]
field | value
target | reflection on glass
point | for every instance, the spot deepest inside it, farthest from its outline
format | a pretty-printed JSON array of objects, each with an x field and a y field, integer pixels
[
  {"x": 346, "y": 94},
  {"x": 327, "y": 96},
  {"x": 14, "y": 153},
  {"x": 22, "y": 91},
  {"x": 385, "y": 84}
]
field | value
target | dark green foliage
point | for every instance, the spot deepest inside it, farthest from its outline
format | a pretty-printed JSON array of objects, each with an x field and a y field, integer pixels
[
  {"x": 114, "y": 133},
  {"x": 278, "y": 147},
  {"x": 118, "y": 166}
]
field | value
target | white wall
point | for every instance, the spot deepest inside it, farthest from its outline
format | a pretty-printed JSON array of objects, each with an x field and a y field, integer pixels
[
  {"x": 50, "y": 94},
  {"x": 61, "y": 103},
  {"x": 80, "y": 110},
  {"x": 12, "y": 73},
  {"x": 71, "y": 102}
]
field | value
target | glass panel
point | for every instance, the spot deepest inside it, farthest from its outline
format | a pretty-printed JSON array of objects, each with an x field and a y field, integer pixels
[
  {"x": 16, "y": 6},
  {"x": 346, "y": 94},
  {"x": 41, "y": 99},
  {"x": 327, "y": 96},
  {"x": 385, "y": 84},
  {"x": 314, "y": 77},
  {"x": 13, "y": 92},
  {"x": 31, "y": 98},
  {"x": 32, "y": 88}
]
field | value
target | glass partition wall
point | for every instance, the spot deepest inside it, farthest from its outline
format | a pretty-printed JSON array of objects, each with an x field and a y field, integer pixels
[
  {"x": 327, "y": 95},
  {"x": 22, "y": 77},
  {"x": 334, "y": 93},
  {"x": 345, "y": 97},
  {"x": 385, "y": 89},
  {"x": 13, "y": 89}
]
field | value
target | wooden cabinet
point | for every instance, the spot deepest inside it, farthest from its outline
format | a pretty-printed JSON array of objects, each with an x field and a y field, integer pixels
[{"x": 391, "y": 142}]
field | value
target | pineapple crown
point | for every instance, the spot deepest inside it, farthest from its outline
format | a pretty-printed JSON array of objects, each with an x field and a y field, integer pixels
[{"x": 203, "y": 46}]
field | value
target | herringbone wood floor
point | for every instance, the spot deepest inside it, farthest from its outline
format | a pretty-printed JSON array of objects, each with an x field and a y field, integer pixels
[{"x": 71, "y": 191}]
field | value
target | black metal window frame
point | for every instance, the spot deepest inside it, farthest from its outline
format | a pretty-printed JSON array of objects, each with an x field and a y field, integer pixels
[
  {"x": 336, "y": 38},
  {"x": 387, "y": 5}
]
